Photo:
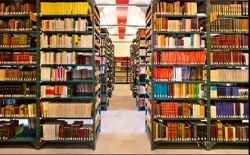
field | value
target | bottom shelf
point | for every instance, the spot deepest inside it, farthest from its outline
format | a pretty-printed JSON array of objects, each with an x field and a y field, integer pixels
[{"x": 24, "y": 134}]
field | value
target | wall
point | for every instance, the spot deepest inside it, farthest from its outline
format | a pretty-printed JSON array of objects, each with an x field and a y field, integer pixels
[{"x": 122, "y": 46}]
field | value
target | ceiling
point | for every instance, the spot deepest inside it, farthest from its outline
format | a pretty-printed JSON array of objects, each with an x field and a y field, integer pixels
[{"x": 122, "y": 17}]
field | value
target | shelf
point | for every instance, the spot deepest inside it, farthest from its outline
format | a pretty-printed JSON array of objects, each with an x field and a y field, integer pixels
[
  {"x": 231, "y": 142},
  {"x": 230, "y": 119},
  {"x": 219, "y": 32},
  {"x": 177, "y": 99},
  {"x": 178, "y": 32},
  {"x": 17, "y": 117},
  {"x": 229, "y": 99},
  {"x": 68, "y": 32},
  {"x": 66, "y": 117},
  {"x": 17, "y": 32},
  {"x": 224, "y": 82},
  {"x": 12, "y": 81},
  {"x": 68, "y": 141},
  {"x": 19, "y": 49},
  {"x": 69, "y": 49},
  {"x": 67, "y": 65},
  {"x": 179, "y": 49},
  {"x": 179, "y": 119},
  {"x": 30, "y": 65},
  {"x": 64, "y": 16},
  {"x": 69, "y": 81},
  {"x": 177, "y": 65},
  {"x": 14, "y": 15},
  {"x": 221, "y": 65},
  {"x": 179, "y": 16},
  {"x": 19, "y": 98},
  {"x": 20, "y": 139},
  {"x": 179, "y": 142},
  {"x": 229, "y": 49},
  {"x": 231, "y": 16},
  {"x": 178, "y": 81}
]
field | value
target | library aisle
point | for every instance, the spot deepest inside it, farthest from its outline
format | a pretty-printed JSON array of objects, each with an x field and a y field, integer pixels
[{"x": 122, "y": 132}]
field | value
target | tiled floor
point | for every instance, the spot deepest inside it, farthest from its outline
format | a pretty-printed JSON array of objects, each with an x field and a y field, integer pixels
[{"x": 122, "y": 132}]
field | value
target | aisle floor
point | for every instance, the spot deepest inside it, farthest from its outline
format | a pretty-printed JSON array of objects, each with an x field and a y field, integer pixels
[{"x": 122, "y": 132}]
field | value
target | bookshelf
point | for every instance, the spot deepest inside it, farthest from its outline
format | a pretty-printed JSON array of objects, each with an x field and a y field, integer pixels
[
  {"x": 104, "y": 68},
  {"x": 228, "y": 56},
  {"x": 55, "y": 57},
  {"x": 18, "y": 72},
  {"x": 202, "y": 97},
  {"x": 122, "y": 69},
  {"x": 111, "y": 71},
  {"x": 140, "y": 72},
  {"x": 172, "y": 43},
  {"x": 70, "y": 46},
  {"x": 133, "y": 67}
]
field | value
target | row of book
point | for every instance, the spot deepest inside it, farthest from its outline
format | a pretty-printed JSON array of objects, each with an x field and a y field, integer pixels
[
  {"x": 14, "y": 90},
  {"x": 230, "y": 110},
  {"x": 180, "y": 57},
  {"x": 142, "y": 102},
  {"x": 16, "y": 25},
  {"x": 7, "y": 129},
  {"x": 228, "y": 75},
  {"x": 230, "y": 25},
  {"x": 230, "y": 9},
  {"x": 66, "y": 24},
  {"x": 141, "y": 33},
  {"x": 180, "y": 41},
  {"x": 229, "y": 58},
  {"x": 177, "y": 90},
  {"x": 18, "y": 40},
  {"x": 16, "y": 110},
  {"x": 17, "y": 74},
  {"x": 64, "y": 57},
  {"x": 228, "y": 92},
  {"x": 178, "y": 74},
  {"x": 64, "y": 74},
  {"x": 183, "y": 25},
  {"x": 62, "y": 130},
  {"x": 197, "y": 131},
  {"x": 228, "y": 132},
  {"x": 179, "y": 131},
  {"x": 64, "y": 91},
  {"x": 229, "y": 41},
  {"x": 65, "y": 41},
  {"x": 65, "y": 8},
  {"x": 65, "y": 109},
  {"x": 178, "y": 110},
  {"x": 176, "y": 8},
  {"x": 17, "y": 7},
  {"x": 17, "y": 57}
]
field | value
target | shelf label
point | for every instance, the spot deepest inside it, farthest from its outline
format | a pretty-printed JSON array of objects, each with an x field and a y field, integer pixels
[
  {"x": 33, "y": 16},
  {"x": 213, "y": 17}
]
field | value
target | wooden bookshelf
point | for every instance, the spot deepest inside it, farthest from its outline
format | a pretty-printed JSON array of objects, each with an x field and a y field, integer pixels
[{"x": 122, "y": 69}]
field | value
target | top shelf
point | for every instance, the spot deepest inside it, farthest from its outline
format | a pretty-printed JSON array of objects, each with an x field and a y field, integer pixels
[
  {"x": 65, "y": 16},
  {"x": 179, "y": 16}
]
